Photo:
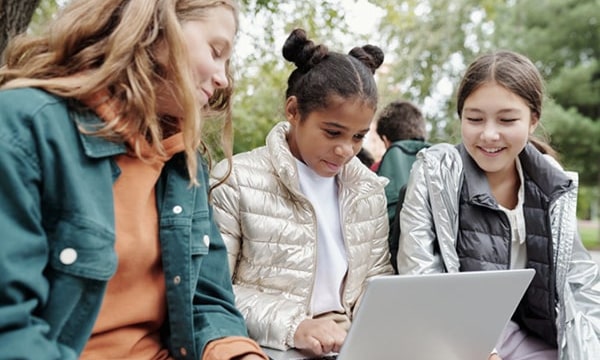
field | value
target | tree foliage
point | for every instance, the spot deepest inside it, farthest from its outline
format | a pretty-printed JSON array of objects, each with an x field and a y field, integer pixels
[
  {"x": 575, "y": 136},
  {"x": 430, "y": 41}
]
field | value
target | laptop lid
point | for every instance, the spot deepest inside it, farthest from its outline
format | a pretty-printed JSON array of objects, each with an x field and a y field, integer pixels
[{"x": 452, "y": 316}]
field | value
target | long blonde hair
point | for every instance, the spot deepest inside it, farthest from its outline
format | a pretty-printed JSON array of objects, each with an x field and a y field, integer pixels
[{"x": 95, "y": 45}]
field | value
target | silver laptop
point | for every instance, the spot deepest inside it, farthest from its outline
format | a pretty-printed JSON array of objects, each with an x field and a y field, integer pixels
[{"x": 452, "y": 316}]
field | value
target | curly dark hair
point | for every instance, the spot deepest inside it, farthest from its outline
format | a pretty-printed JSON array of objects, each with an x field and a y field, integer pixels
[{"x": 321, "y": 74}]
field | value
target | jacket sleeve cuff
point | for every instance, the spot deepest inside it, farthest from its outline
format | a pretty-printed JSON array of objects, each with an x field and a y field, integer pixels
[
  {"x": 289, "y": 341},
  {"x": 231, "y": 347}
]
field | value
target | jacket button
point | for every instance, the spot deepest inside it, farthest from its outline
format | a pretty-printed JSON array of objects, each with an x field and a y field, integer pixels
[
  {"x": 68, "y": 256},
  {"x": 177, "y": 280},
  {"x": 177, "y": 209},
  {"x": 206, "y": 240},
  {"x": 183, "y": 351}
]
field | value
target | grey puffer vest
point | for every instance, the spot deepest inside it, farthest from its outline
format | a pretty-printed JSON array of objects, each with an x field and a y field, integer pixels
[{"x": 485, "y": 233}]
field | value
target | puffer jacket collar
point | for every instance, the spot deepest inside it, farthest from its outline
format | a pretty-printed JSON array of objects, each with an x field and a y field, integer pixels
[
  {"x": 476, "y": 186},
  {"x": 284, "y": 164},
  {"x": 552, "y": 181}
]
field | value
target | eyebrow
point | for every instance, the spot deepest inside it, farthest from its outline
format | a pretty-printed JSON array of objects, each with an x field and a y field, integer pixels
[
  {"x": 501, "y": 111},
  {"x": 342, "y": 127}
]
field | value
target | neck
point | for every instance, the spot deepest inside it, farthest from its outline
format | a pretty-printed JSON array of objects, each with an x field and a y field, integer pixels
[{"x": 505, "y": 187}]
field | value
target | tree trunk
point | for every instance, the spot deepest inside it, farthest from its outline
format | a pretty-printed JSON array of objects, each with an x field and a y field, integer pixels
[{"x": 15, "y": 16}]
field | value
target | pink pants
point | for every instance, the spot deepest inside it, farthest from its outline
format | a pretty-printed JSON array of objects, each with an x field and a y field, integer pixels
[{"x": 516, "y": 344}]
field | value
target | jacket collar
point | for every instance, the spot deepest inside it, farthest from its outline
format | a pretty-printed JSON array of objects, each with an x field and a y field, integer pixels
[
  {"x": 411, "y": 146},
  {"x": 475, "y": 183},
  {"x": 95, "y": 146},
  {"x": 548, "y": 174}
]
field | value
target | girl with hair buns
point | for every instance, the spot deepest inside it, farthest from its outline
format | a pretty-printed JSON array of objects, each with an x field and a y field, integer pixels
[
  {"x": 303, "y": 219},
  {"x": 499, "y": 201},
  {"x": 109, "y": 249}
]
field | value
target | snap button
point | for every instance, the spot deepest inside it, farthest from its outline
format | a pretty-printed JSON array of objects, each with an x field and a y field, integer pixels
[
  {"x": 206, "y": 240},
  {"x": 177, "y": 209},
  {"x": 68, "y": 256},
  {"x": 177, "y": 280}
]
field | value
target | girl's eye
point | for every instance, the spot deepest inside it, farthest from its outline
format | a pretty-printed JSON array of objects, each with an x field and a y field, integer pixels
[
  {"x": 359, "y": 137},
  {"x": 216, "y": 53},
  {"x": 473, "y": 119},
  {"x": 508, "y": 120},
  {"x": 332, "y": 133}
]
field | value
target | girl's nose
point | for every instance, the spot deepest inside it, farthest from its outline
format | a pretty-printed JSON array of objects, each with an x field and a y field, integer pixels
[
  {"x": 220, "y": 78},
  {"x": 490, "y": 131},
  {"x": 344, "y": 150}
]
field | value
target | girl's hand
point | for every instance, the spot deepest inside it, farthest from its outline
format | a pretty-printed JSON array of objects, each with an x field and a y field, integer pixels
[
  {"x": 319, "y": 336},
  {"x": 494, "y": 357}
]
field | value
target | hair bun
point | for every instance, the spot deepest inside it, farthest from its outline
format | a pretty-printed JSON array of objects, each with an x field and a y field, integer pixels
[
  {"x": 302, "y": 51},
  {"x": 370, "y": 55}
]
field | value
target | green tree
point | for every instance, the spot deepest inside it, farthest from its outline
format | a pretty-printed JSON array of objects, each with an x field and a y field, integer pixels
[
  {"x": 575, "y": 137},
  {"x": 429, "y": 42}
]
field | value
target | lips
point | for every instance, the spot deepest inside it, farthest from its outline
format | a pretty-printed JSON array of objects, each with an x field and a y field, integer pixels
[
  {"x": 491, "y": 150},
  {"x": 332, "y": 166},
  {"x": 207, "y": 94}
]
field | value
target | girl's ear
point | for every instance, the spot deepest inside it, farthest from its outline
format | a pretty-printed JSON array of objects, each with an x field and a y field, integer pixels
[
  {"x": 291, "y": 110},
  {"x": 385, "y": 140},
  {"x": 535, "y": 120}
]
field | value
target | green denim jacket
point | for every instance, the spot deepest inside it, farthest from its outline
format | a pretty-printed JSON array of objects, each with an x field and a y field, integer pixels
[{"x": 57, "y": 236}]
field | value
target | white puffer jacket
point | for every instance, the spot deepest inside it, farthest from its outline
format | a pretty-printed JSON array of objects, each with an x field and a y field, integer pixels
[{"x": 270, "y": 230}]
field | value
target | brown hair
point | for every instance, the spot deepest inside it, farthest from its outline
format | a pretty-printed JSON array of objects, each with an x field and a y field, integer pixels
[
  {"x": 514, "y": 72},
  {"x": 94, "y": 45},
  {"x": 401, "y": 120}
]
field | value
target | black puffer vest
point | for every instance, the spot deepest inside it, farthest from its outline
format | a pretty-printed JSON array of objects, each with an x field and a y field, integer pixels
[{"x": 485, "y": 234}]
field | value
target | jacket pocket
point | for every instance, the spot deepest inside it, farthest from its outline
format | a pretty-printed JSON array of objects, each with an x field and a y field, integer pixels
[
  {"x": 82, "y": 248},
  {"x": 81, "y": 261}
]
